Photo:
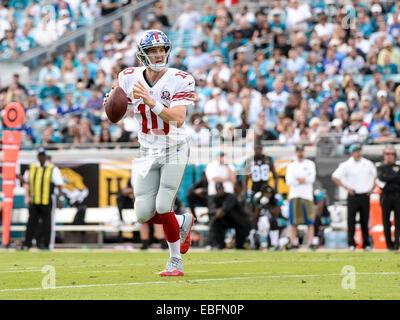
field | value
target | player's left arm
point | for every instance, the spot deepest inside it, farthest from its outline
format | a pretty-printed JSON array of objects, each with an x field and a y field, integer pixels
[{"x": 274, "y": 174}]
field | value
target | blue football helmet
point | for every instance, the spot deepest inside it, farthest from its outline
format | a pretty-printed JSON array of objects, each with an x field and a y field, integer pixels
[{"x": 151, "y": 39}]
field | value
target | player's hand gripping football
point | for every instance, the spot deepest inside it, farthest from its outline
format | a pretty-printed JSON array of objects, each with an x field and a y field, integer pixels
[
  {"x": 106, "y": 97},
  {"x": 141, "y": 91}
]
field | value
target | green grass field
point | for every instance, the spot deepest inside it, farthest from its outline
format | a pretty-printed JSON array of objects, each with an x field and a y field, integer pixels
[{"x": 256, "y": 275}]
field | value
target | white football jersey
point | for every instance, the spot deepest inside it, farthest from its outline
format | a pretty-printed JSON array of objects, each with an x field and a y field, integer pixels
[{"x": 175, "y": 88}]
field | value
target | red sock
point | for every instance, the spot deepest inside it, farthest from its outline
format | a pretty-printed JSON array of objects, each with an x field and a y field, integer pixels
[
  {"x": 170, "y": 226},
  {"x": 156, "y": 219}
]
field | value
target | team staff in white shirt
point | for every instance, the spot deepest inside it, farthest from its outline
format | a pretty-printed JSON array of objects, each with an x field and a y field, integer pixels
[
  {"x": 357, "y": 175},
  {"x": 300, "y": 176},
  {"x": 220, "y": 171}
]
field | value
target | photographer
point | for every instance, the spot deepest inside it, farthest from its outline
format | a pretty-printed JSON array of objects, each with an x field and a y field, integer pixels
[
  {"x": 270, "y": 222},
  {"x": 227, "y": 212}
]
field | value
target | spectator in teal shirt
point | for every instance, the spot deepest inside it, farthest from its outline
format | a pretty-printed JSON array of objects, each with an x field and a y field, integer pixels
[
  {"x": 18, "y": 4},
  {"x": 91, "y": 66},
  {"x": 24, "y": 42},
  {"x": 216, "y": 43},
  {"x": 364, "y": 24},
  {"x": 388, "y": 67},
  {"x": 50, "y": 89},
  {"x": 276, "y": 25},
  {"x": 313, "y": 65},
  {"x": 208, "y": 18}
]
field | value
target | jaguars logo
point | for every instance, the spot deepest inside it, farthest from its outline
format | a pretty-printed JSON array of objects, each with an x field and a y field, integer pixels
[{"x": 73, "y": 188}]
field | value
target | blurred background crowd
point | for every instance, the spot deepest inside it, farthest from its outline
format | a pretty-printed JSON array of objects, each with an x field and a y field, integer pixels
[{"x": 291, "y": 70}]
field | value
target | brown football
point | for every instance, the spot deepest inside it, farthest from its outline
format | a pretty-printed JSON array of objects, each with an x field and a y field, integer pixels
[{"x": 116, "y": 104}]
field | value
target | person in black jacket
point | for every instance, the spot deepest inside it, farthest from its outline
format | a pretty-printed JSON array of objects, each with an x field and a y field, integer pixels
[
  {"x": 389, "y": 174},
  {"x": 227, "y": 212},
  {"x": 197, "y": 194}
]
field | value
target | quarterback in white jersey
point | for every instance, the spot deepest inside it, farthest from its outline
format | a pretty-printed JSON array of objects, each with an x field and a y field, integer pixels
[
  {"x": 175, "y": 88},
  {"x": 159, "y": 97}
]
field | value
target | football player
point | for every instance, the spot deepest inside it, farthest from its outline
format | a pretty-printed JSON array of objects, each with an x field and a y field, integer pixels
[
  {"x": 259, "y": 168},
  {"x": 159, "y": 97},
  {"x": 270, "y": 221}
]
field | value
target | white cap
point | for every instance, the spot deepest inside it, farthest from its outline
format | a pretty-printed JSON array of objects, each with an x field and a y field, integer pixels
[
  {"x": 381, "y": 93},
  {"x": 64, "y": 12},
  {"x": 376, "y": 8},
  {"x": 336, "y": 122},
  {"x": 366, "y": 97},
  {"x": 123, "y": 45},
  {"x": 118, "y": 56},
  {"x": 334, "y": 42},
  {"x": 352, "y": 95},
  {"x": 340, "y": 105},
  {"x": 314, "y": 121},
  {"x": 216, "y": 91},
  {"x": 387, "y": 42}
]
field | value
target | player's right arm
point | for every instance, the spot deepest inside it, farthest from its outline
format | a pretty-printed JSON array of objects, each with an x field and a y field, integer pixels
[
  {"x": 121, "y": 82},
  {"x": 183, "y": 97}
]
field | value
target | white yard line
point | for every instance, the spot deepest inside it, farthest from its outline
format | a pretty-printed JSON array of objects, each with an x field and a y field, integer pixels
[
  {"x": 125, "y": 265},
  {"x": 18, "y": 269},
  {"x": 100, "y": 271},
  {"x": 197, "y": 280}
]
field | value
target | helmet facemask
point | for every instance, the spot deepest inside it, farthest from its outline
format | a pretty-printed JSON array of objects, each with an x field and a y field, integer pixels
[{"x": 144, "y": 57}]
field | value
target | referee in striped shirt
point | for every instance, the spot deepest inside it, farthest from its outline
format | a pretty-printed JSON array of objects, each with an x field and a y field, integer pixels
[{"x": 40, "y": 181}]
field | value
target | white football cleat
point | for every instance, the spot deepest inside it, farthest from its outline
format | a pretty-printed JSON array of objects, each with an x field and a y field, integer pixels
[
  {"x": 185, "y": 232},
  {"x": 174, "y": 268}
]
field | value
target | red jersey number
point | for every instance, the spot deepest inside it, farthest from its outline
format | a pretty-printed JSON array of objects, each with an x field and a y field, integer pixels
[
  {"x": 129, "y": 70},
  {"x": 154, "y": 122}
]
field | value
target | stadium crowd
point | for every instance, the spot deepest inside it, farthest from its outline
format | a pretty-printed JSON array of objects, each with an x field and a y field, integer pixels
[
  {"x": 289, "y": 71},
  {"x": 26, "y": 24}
]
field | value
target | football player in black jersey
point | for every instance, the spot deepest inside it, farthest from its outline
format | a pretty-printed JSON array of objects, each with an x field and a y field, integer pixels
[{"x": 259, "y": 168}]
